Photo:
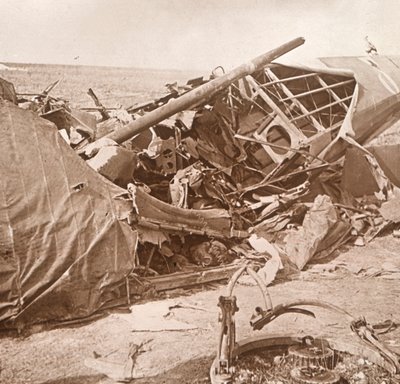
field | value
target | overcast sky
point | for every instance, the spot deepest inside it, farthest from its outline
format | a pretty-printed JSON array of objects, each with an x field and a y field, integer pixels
[{"x": 190, "y": 34}]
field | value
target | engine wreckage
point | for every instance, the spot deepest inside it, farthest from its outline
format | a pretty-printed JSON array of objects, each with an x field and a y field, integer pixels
[
  {"x": 101, "y": 205},
  {"x": 313, "y": 360}
]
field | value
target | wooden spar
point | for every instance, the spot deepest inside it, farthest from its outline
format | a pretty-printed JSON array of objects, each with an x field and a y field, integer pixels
[
  {"x": 289, "y": 79},
  {"x": 50, "y": 87},
  {"x": 198, "y": 94},
  {"x": 326, "y": 87},
  {"x": 333, "y": 94},
  {"x": 96, "y": 109},
  {"x": 102, "y": 109},
  {"x": 322, "y": 108},
  {"x": 288, "y": 93},
  {"x": 260, "y": 91},
  {"x": 181, "y": 280}
]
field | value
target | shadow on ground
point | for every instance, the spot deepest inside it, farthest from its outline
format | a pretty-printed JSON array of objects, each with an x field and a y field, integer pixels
[
  {"x": 195, "y": 371},
  {"x": 95, "y": 379}
]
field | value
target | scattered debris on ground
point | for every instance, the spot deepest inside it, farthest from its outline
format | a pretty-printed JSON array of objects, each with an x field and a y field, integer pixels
[
  {"x": 295, "y": 359},
  {"x": 170, "y": 191},
  {"x": 261, "y": 367}
]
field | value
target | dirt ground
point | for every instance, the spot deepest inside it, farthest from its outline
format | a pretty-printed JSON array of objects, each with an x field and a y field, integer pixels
[{"x": 363, "y": 281}]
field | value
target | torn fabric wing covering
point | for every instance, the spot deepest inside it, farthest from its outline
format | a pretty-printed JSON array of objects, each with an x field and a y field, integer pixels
[
  {"x": 64, "y": 243},
  {"x": 376, "y": 107},
  {"x": 375, "y": 103}
]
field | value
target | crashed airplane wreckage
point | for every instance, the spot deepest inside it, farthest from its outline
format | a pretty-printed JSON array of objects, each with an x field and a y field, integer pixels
[{"x": 165, "y": 194}]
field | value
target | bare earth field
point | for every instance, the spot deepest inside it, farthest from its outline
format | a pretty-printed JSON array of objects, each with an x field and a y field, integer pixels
[
  {"x": 113, "y": 86},
  {"x": 184, "y": 355}
]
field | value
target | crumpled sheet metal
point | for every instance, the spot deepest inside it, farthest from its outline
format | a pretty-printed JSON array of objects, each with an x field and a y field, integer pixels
[
  {"x": 7, "y": 91},
  {"x": 215, "y": 141},
  {"x": 115, "y": 163},
  {"x": 390, "y": 210},
  {"x": 302, "y": 244},
  {"x": 64, "y": 243},
  {"x": 388, "y": 157},
  {"x": 155, "y": 214},
  {"x": 357, "y": 177}
]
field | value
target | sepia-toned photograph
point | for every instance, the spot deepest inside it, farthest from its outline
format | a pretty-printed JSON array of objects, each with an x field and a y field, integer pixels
[{"x": 200, "y": 192}]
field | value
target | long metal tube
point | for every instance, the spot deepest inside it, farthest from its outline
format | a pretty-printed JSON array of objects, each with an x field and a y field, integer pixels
[{"x": 198, "y": 94}]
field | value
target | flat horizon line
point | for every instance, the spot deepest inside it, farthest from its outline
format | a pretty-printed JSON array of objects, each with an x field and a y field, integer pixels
[{"x": 7, "y": 63}]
